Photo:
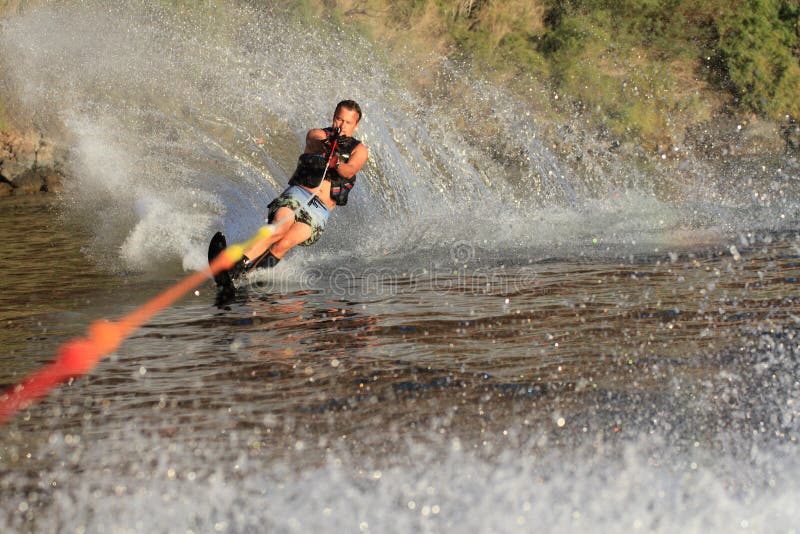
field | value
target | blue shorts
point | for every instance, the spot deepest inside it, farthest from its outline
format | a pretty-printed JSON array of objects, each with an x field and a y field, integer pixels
[{"x": 314, "y": 214}]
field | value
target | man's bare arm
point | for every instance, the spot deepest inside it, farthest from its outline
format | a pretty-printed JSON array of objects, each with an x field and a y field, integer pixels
[
  {"x": 315, "y": 141},
  {"x": 357, "y": 160}
]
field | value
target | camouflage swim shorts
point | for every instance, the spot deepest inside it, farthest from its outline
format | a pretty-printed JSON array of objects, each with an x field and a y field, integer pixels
[{"x": 315, "y": 214}]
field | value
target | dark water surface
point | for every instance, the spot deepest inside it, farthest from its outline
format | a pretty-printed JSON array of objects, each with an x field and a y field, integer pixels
[
  {"x": 651, "y": 391},
  {"x": 510, "y": 327}
]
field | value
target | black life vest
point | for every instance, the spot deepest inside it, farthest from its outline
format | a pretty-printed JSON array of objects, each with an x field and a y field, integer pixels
[{"x": 310, "y": 168}]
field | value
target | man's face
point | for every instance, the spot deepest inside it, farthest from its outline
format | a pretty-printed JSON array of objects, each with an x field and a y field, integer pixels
[{"x": 346, "y": 119}]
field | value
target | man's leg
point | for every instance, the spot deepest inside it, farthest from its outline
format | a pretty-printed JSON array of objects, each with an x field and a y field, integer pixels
[
  {"x": 297, "y": 233},
  {"x": 282, "y": 214}
]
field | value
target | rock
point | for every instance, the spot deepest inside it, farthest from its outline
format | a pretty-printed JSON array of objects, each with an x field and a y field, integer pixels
[
  {"x": 10, "y": 169},
  {"x": 29, "y": 163},
  {"x": 758, "y": 137},
  {"x": 728, "y": 135},
  {"x": 53, "y": 182},
  {"x": 5, "y": 189},
  {"x": 25, "y": 148},
  {"x": 792, "y": 136},
  {"x": 30, "y": 181}
]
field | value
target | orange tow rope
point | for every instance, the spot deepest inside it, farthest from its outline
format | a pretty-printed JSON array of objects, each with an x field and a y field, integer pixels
[{"x": 78, "y": 356}]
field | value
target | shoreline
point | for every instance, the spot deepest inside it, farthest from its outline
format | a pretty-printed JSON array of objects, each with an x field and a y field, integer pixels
[
  {"x": 34, "y": 164},
  {"x": 30, "y": 163}
]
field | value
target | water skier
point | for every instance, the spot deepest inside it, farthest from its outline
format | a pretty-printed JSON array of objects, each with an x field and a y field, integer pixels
[{"x": 331, "y": 152}]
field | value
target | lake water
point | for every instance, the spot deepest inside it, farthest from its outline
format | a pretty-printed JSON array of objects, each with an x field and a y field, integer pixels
[
  {"x": 657, "y": 392},
  {"x": 509, "y": 328}
]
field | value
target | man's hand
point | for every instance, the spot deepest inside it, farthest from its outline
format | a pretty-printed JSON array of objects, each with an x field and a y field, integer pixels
[{"x": 330, "y": 138}]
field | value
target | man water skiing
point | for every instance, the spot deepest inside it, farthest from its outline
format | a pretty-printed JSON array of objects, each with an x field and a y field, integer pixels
[{"x": 330, "y": 152}]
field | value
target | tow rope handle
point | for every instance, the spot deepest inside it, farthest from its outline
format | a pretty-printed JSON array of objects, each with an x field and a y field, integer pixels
[
  {"x": 336, "y": 133},
  {"x": 331, "y": 154}
]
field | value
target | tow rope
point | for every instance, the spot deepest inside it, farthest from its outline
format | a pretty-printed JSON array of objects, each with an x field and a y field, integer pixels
[{"x": 78, "y": 356}]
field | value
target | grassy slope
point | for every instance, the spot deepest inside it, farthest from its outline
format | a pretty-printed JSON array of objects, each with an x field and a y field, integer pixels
[
  {"x": 7, "y": 8},
  {"x": 636, "y": 70},
  {"x": 641, "y": 70}
]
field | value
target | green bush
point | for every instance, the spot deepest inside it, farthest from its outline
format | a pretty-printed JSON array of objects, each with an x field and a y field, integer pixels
[
  {"x": 611, "y": 74},
  {"x": 758, "y": 43},
  {"x": 641, "y": 69},
  {"x": 500, "y": 37}
]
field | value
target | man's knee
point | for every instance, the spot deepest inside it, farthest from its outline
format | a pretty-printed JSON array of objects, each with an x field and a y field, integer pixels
[
  {"x": 280, "y": 231},
  {"x": 282, "y": 246}
]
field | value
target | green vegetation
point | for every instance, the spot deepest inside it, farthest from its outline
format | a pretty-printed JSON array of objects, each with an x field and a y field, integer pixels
[
  {"x": 637, "y": 69},
  {"x": 641, "y": 70},
  {"x": 759, "y": 43}
]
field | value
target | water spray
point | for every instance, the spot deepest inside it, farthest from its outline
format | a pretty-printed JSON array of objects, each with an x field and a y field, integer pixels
[{"x": 78, "y": 356}]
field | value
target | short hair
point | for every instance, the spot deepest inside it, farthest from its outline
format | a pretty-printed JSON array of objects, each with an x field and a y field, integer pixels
[{"x": 349, "y": 104}]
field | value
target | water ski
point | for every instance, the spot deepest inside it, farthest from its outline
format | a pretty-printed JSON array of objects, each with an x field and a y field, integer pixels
[{"x": 223, "y": 279}]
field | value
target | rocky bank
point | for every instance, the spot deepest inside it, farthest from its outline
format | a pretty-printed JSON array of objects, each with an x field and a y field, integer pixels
[{"x": 30, "y": 164}]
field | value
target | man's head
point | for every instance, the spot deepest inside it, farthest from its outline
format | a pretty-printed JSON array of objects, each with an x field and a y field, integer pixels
[{"x": 346, "y": 116}]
